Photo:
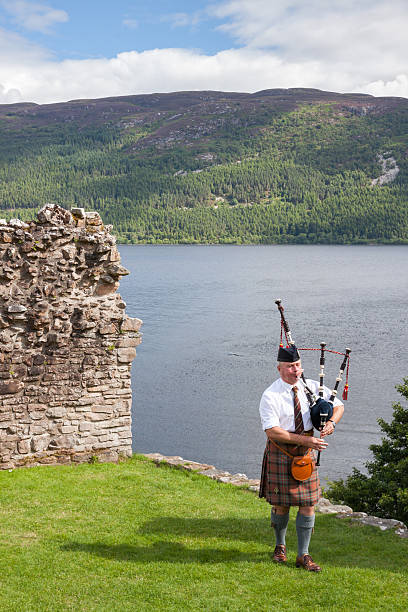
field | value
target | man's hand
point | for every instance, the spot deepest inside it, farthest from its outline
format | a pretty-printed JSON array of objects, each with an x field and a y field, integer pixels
[
  {"x": 328, "y": 429},
  {"x": 317, "y": 444}
]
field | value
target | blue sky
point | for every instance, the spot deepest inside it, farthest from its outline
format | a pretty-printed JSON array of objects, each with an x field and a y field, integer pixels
[
  {"x": 91, "y": 28},
  {"x": 56, "y": 50}
]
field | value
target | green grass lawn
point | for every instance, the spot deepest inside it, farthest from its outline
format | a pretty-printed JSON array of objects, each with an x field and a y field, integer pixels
[{"x": 138, "y": 537}]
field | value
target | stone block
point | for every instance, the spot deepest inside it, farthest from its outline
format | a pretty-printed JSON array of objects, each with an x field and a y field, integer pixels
[
  {"x": 38, "y": 360},
  {"x": 97, "y": 388},
  {"x": 36, "y": 371},
  {"x": 104, "y": 438},
  {"x": 79, "y": 448},
  {"x": 16, "y": 309},
  {"x": 124, "y": 393},
  {"x": 40, "y": 443},
  {"x": 46, "y": 460},
  {"x": 102, "y": 408},
  {"x": 89, "y": 441},
  {"x": 36, "y": 416},
  {"x": 125, "y": 435},
  {"x": 8, "y": 426},
  {"x": 123, "y": 406},
  {"x": 24, "y": 446},
  {"x": 83, "y": 408},
  {"x": 131, "y": 324},
  {"x": 63, "y": 441},
  {"x": 56, "y": 412},
  {"x": 93, "y": 218},
  {"x": 11, "y": 386},
  {"x": 97, "y": 416},
  {"x": 126, "y": 355},
  {"x": 37, "y": 407},
  {"x": 128, "y": 342},
  {"x": 121, "y": 428},
  {"x": 108, "y": 329},
  {"x": 63, "y": 459},
  {"x": 85, "y": 401},
  {"x": 54, "y": 214},
  {"x": 100, "y": 445},
  {"x": 112, "y": 423},
  {"x": 78, "y": 213},
  {"x": 117, "y": 270},
  {"x": 67, "y": 429},
  {"x": 104, "y": 288},
  {"x": 38, "y": 429}
]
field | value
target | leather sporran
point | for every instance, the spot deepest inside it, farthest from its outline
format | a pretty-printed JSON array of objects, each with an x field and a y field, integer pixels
[{"x": 302, "y": 467}]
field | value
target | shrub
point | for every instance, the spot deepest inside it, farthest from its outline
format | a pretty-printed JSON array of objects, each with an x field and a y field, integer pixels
[{"x": 384, "y": 491}]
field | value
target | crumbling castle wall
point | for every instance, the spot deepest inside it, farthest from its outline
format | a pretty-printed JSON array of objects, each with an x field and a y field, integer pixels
[{"x": 66, "y": 343}]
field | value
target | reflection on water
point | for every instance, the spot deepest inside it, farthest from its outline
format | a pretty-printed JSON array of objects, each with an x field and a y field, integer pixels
[{"x": 211, "y": 332}]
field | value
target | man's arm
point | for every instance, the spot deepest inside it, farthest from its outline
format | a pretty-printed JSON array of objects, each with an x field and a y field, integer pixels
[{"x": 277, "y": 434}]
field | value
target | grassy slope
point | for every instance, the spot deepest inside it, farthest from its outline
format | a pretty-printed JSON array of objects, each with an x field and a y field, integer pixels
[{"x": 137, "y": 537}]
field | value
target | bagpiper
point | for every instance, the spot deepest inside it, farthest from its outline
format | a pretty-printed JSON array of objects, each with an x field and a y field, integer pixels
[{"x": 290, "y": 408}]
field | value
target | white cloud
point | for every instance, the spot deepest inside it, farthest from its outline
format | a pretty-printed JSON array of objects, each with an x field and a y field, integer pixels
[
  {"x": 164, "y": 70},
  {"x": 367, "y": 36},
  {"x": 155, "y": 70},
  {"x": 361, "y": 48},
  {"x": 133, "y": 24},
  {"x": 9, "y": 96},
  {"x": 182, "y": 20},
  {"x": 33, "y": 16},
  {"x": 397, "y": 87}
]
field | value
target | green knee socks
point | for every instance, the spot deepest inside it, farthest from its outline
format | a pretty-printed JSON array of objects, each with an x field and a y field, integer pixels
[
  {"x": 304, "y": 528},
  {"x": 280, "y": 523}
]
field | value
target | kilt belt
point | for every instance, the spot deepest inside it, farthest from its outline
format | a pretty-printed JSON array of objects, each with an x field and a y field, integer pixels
[{"x": 277, "y": 483}]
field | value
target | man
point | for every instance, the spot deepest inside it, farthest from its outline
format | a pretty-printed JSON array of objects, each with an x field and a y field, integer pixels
[{"x": 281, "y": 406}]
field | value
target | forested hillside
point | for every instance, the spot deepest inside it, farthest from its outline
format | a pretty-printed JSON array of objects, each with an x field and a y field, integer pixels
[{"x": 277, "y": 166}]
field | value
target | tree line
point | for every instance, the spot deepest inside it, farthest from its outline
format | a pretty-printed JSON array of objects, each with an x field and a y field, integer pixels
[{"x": 303, "y": 176}]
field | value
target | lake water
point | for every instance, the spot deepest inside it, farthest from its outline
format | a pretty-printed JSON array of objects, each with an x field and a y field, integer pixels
[{"x": 211, "y": 333}]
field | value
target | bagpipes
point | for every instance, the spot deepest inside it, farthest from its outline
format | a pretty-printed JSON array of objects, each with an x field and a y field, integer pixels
[{"x": 321, "y": 410}]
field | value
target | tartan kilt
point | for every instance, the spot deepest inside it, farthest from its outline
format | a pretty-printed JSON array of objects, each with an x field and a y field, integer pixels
[{"x": 277, "y": 483}]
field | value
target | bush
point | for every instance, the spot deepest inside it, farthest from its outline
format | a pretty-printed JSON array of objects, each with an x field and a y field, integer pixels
[{"x": 384, "y": 491}]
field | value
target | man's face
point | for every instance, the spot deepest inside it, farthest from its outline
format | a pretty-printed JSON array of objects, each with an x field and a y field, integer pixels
[{"x": 290, "y": 372}]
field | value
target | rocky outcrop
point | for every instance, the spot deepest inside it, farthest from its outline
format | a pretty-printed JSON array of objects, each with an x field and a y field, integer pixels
[
  {"x": 67, "y": 344},
  {"x": 390, "y": 170},
  {"x": 241, "y": 480},
  {"x": 375, "y": 521}
]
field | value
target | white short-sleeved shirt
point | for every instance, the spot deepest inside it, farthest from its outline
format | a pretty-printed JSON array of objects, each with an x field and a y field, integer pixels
[{"x": 276, "y": 407}]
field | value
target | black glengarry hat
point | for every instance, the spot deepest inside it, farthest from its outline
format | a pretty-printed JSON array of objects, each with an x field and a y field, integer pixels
[{"x": 289, "y": 354}]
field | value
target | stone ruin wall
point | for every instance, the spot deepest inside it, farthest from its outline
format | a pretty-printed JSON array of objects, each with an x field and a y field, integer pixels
[{"x": 66, "y": 343}]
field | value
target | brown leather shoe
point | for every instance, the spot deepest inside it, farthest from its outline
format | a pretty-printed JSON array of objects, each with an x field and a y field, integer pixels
[
  {"x": 279, "y": 554},
  {"x": 308, "y": 564}
]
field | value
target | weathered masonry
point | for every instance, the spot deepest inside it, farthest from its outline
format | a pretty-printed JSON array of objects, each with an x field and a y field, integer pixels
[{"x": 66, "y": 342}]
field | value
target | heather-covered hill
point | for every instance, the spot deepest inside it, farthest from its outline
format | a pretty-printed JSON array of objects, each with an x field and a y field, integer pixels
[{"x": 296, "y": 165}]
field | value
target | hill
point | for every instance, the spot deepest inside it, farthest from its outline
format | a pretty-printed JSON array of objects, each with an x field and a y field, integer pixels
[{"x": 295, "y": 165}]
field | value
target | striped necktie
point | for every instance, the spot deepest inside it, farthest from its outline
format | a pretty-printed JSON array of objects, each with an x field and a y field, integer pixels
[{"x": 297, "y": 412}]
